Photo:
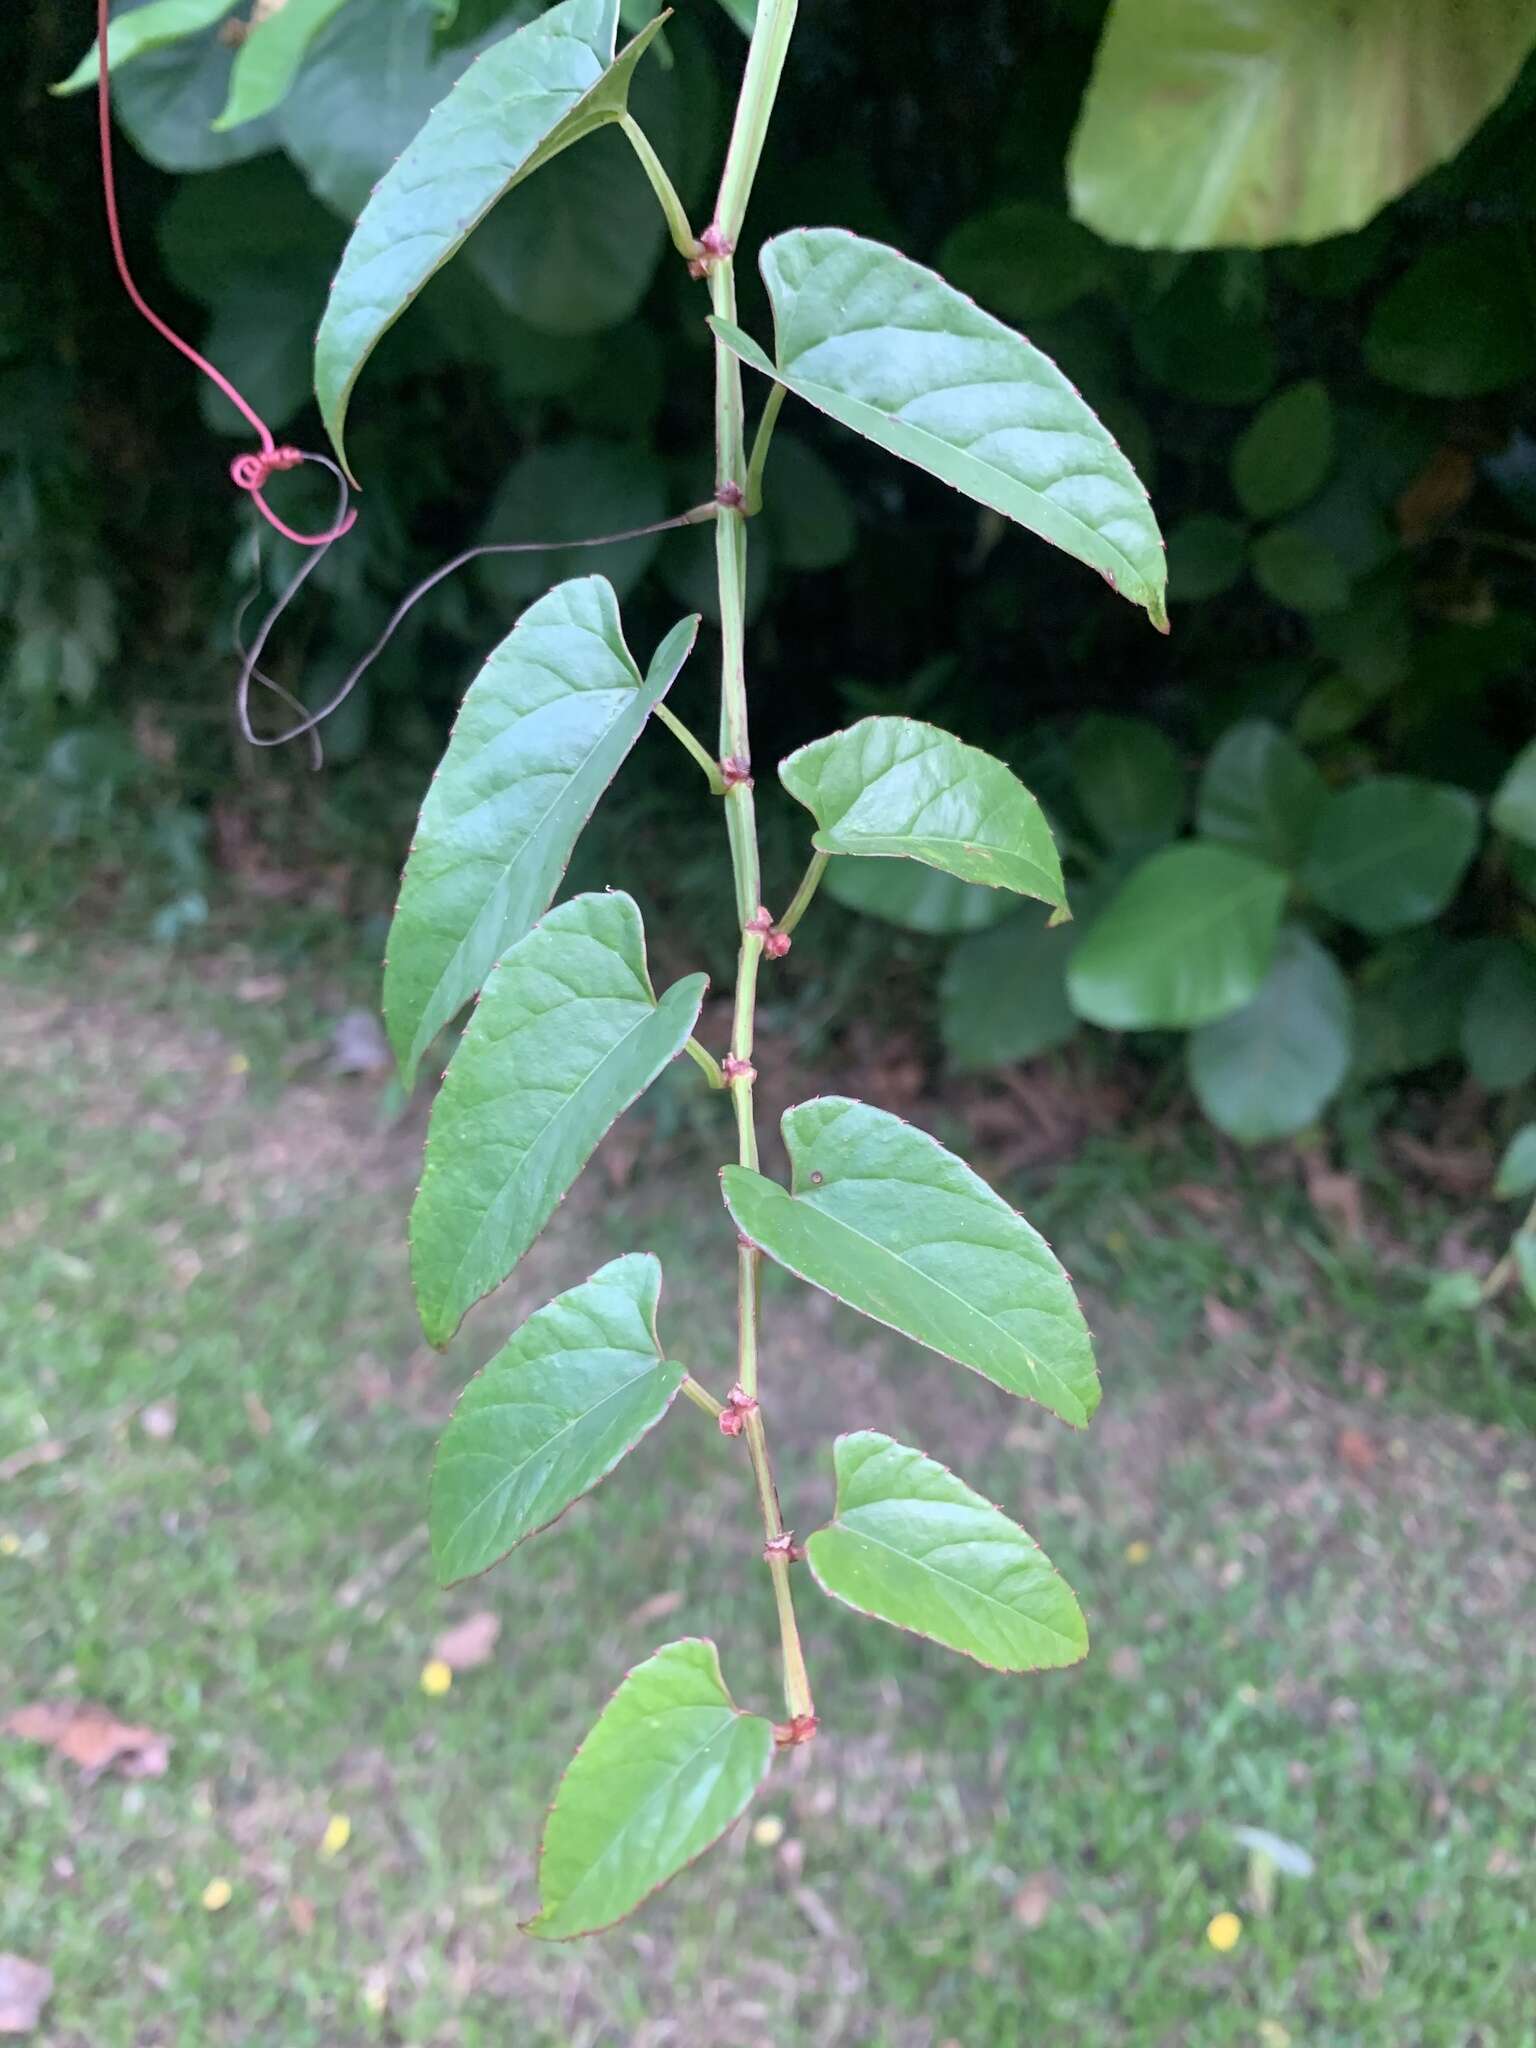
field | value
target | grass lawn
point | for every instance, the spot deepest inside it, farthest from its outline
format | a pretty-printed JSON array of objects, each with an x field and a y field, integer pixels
[{"x": 1301, "y": 1527}]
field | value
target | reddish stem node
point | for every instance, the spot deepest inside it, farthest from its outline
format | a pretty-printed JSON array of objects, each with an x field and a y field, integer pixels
[
  {"x": 791, "y": 1734},
  {"x": 737, "y": 1070},
  {"x": 736, "y": 774},
  {"x": 784, "y": 1546},
  {"x": 731, "y": 497},
  {"x": 712, "y": 247}
]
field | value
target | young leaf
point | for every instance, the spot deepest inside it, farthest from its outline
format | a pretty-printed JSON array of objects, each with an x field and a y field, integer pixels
[
  {"x": 1517, "y": 1169},
  {"x": 1187, "y": 939},
  {"x": 553, "y": 1412},
  {"x": 267, "y": 61},
  {"x": 1210, "y": 123},
  {"x": 133, "y": 31},
  {"x": 1390, "y": 852},
  {"x": 912, "y": 1545},
  {"x": 670, "y": 1763},
  {"x": 915, "y": 898},
  {"x": 527, "y": 98},
  {"x": 909, "y": 791},
  {"x": 1514, "y": 802},
  {"x": 1129, "y": 780},
  {"x": 567, "y": 1034},
  {"x": 1270, "y": 1069},
  {"x": 1261, "y": 793},
  {"x": 542, "y": 731},
  {"x": 879, "y": 1215},
  {"x": 890, "y": 350}
]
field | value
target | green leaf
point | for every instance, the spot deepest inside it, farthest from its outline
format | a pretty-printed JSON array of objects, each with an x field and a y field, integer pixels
[
  {"x": 1260, "y": 792},
  {"x": 133, "y": 31},
  {"x": 894, "y": 353},
  {"x": 567, "y": 1034},
  {"x": 670, "y": 1763},
  {"x": 1024, "y": 261},
  {"x": 1498, "y": 1026},
  {"x": 1206, "y": 554},
  {"x": 879, "y": 1215},
  {"x": 1281, "y": 457},
  {"x": 565, "y": 492},
  {"x": 1390, "y": 852},
  {"x": 1210, "y": 123},
  {"x": 1517, "y": 1169},
  {"x": 897, "y": 788},
  {"x": 1188, "y": 938},
  {"x": 1514, "y": 803},
  {"x": 912, "y": 1545},
  {"x": 553, "y": 1412},
  {"x": 916, "y": 898},
  {"x": 1411, "y": 996},
  {"x": 1003, "y": 993},
  {"x": 1271, "y": 1068},
  {"x": 247, "y": 226},
  {"x": 527, "y": 98},
  {"x": 743, "y": 13},
  {"x": 543, "y": 730},
  {"x": 1524, "y": 1252},
  {"x": 1129, "y": 780},
  {"x": 167, "y": 99},
  {"x": 268, "y": 59},
  {"x": 1298, "y": 570},
  {"x": 1457, "y": 323},
  {"x": 805, "y": 509},
  {"x": 1204, "y": 342}
]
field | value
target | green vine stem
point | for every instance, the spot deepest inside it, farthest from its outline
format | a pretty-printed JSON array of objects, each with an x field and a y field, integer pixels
[{"x": 765, "y": 64}]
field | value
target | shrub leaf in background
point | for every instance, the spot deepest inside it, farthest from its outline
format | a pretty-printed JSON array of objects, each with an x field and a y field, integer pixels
[
  {"x": 1514, "y": 803},
  {"x": 1517, "y": 1169},
  {"x": 1498, "y": 1026},
  {"x": 883, "y": 1217},
  {"x": 549, "y": 495},
  {"x": 542, "y": 731},
  {"x": 1282, "y": 456},
  {"x": 917, "y": 898},
  {"x": 912, "y": 1545},
  {"x": 1188, "y": 938},
  {"x": 268, "y": 59},
  {"x": 1024, "y": 261},
  {"x": 1129, "y": 780},
  {"x": 1390, "y": 852},
  {"x": 1457, "y": 323},
  {"x": 670, "y": 1763},
  {"x": 553, "y": 1412},
  {"x": 133, "y": 31},
  {"x": 524, "y": 100},
  {"x": 1260, "y": 792},
  {"x": 1299, "y": 570},
  {"x": 1272, "y": 1067},
  {"x": 1003, "y": 992},
  {"x": 1206, "y": 555},
  {"x": 1213, "y": 123},
  {"x": 898, "y": 788},
  {"x": 890, "y": 350},
  {"x": 567, "y": 1034}
]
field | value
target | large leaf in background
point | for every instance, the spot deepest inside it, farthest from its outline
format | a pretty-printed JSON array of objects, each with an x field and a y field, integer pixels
[
  {"x": 897, "y": 788},
  {"x": 1003, "y": 992},
  {"x": 1024, "y": 261},
  {"x": 917, "y": 899},
  {"x": 543, "y": 730},
  {"x": 808, "y": 514},
  {"x": 1129, "y": 780},
  {"x": 879, "y": 1215},
  {"x": 1457, "y": 323},
  {"x": 1517, "y": 1168},
  {"x": 1514, "y": 802},
  {"x": 1188, "y": 938},
  {"x": 567, "y": 1034},
  {"x": 245, "y": 226},
  {"x": 268, "y": 59},
  {"x": 167, "y": 99},
  {"x": 1390, "y": 852},
  {"x": 1209, "y": 123},
  {"x": 890, "y": 350},
  {"x": 551, "y": 1414},
  {"x": 1281, "y": 457},
  {"x": 1498, "y": 1025},
  {"x": 670, "y": 1763},
  {"x": 1259, "y": 791},
  {"x": 135, "y": 30},
  {"x": 260, "y": 336},
  {"x": 1299, "y": 569},
  {"x": 525, "y": 99},
  {"x": 911, "y": 1544},
  {"x": 1409, "y": 1004},
  {"x": 560, "y": 493},
  {"x": 1269, "y": 1069},
  {"x": 1206, "y": 340}
]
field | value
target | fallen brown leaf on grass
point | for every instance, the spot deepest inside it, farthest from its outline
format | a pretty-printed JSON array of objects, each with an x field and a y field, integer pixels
[
  {"x": 657, "y": 1608},
  {"x": 25, "y": 1988},
  {"x": 1203, "y": 1199},
  {"x": 1336, "y": 1197},
  {"x": 1223, "y": 1325},
  {"x": 48, "y": 1452},
  {"x": 1355, "y": 1450},
  {"x": 469, "y": 1642},
  {"x": 1033, "y": 1899},
  {"x": 91, "y": 1737}
]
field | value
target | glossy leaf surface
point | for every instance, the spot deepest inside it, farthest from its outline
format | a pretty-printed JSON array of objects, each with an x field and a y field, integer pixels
[
  {"x": 1390, "y": 852},
  {"x": 1188, "y": 938},
  {"x": 268, "y": 59},
  {"x": 525, "y": 99},
  {"x": 551, "y": 1414},
  {"x": 894, "y": 353},
  {"x": 911, "y": 1544},
  {"x": 567, "y": 1034},
  {"x": 883, "y": 1217},
  {"x": 134, "y": 31},
  {"x": 898, "y": 788},
  {"x": 542, "y": 731},
  {"x": 1214, "y": 123},
  {"x": 1272, "y": 1067},
  {"x": 670, "y": 1763},
  {"x": 1260, "y": 792}
]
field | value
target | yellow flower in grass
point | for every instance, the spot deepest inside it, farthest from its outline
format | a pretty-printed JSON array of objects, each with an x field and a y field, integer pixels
[
  {"x": 436, "y": 1677},
  {"x": 1137, "y": 1552},
  {"x": 1224, "y": 1932},
  {"x": 217, "y": 1894},
  {"x": 338, "y": 1832}
]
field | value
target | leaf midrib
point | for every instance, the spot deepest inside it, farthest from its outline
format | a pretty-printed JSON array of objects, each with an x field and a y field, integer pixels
[{"x": 946, "y": 1578}]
